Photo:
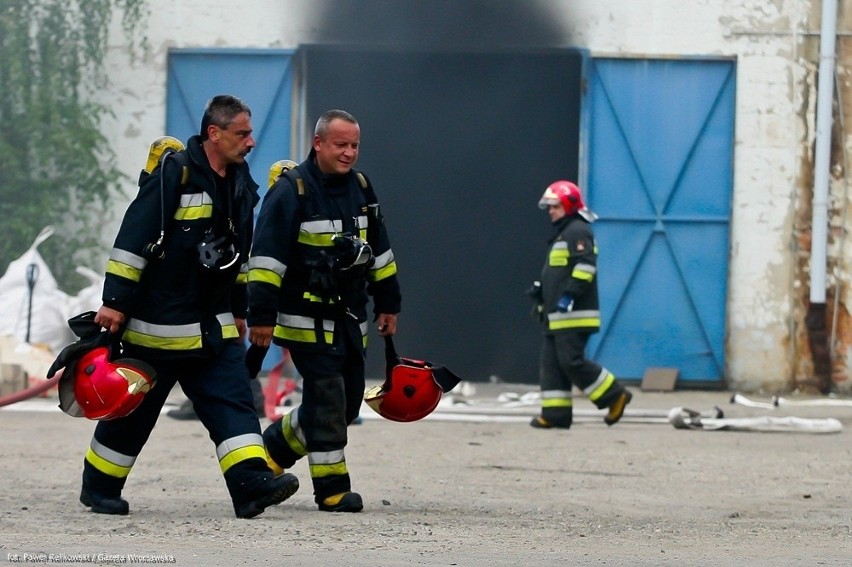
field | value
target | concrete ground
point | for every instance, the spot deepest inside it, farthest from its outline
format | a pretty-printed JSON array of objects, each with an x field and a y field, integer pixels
[{"x": 472, "y": 484}]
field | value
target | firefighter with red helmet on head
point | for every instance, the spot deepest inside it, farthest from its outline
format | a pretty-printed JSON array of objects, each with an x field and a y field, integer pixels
[{"x": 567, "y": 301}]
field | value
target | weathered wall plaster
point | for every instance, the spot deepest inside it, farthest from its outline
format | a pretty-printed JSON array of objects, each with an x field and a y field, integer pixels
[{"x": 776, "y": 46}]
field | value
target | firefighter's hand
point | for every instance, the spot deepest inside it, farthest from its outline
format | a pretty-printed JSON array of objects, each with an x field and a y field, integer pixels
[
  {"x": 261, "y": 336},
  {"x": 109, "y": 319},
  {"x": 386, "y": 324},
  {"x": 565, "y": 304},
  {"x": 241, "y": 327},
  {"x": 534, "y": 291}
]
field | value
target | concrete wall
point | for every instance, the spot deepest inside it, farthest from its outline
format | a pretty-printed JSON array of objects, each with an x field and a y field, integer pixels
[{"x": 775, "y": 42}]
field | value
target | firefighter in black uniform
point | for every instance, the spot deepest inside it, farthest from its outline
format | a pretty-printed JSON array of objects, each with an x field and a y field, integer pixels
[
  {"x": 175, "y": 289},
  {"x": 320, "y": 249},
  {"x": 567, "y": 301}
]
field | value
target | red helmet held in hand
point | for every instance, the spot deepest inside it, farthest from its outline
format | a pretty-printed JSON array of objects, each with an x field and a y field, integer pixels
[
  {"x": 92, "y": 384},
  {"x": 412, "y": 388},
  {"x": 107, "y": 389}
]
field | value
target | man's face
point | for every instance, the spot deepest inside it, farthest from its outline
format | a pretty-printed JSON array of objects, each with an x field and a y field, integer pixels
[
  {"x": 556, "y": 212},
  {"x": 233, "y": 143},
  {"x": 338, "y": 152}
]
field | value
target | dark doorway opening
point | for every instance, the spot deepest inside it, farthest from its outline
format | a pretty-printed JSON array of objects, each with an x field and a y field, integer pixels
[{"x": 459, "y": 146}]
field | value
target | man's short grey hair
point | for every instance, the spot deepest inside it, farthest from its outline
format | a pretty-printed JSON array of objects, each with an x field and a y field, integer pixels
[{"x": 324, "y": 121}]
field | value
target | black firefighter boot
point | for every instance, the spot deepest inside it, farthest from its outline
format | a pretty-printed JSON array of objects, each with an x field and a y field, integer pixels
[
  {"x": 266, "y": 490},
  {"x": 554, "y": 418},
  {"x": 616, "y": 408},
  {"x": 106, "y": 498},
  {"x": 102, "y": 504}
]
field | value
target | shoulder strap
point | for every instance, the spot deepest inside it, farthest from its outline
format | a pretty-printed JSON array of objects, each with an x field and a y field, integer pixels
[
  {"x": 299, "y": 186},
  {"x": 183, "y": 160},
  {"x": 362, "y": 180},
  {"x": 297, "y": 182},
  {"x": 302, "y": 188},
  {"x": 366, "y": 188}
]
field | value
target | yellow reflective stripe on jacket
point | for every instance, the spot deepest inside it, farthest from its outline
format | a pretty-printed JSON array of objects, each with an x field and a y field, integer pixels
[
  {"x": 242, "y": 277},
  {"x": 556, "y": 399},
  {"x": 362, "y": 222},
  {"x": 229, "y": 325},
  {"x": 322, "y": 464},
  {"x": 266, "y": 269},
  {"x": 383, "y": 267},
  {"x": 293, "y": 434},
  {"x": 194, "y": 206},
  {"x": 308, "y": 296},
  {"x": 165, "y": 337},
  {"x": 559, "y": 254},
  {"x": 585, "y": 272},
  {"x": 126, "y": 265},
  {"x": 319, "y": 232},
  {"x": 573, "y": 320},
  {"x": 108, "y": 461},
  {"x": 302, "y": 329},
  {"x": 238, "y": 449},
  {"x": 600, "y": 386}
]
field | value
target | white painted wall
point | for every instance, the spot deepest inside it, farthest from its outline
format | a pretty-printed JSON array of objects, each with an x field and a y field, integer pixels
[{"x": 776, "y": 60}]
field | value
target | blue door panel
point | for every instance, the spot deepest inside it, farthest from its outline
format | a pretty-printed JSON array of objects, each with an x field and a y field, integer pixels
[
  {"x": 707, "y": 295},
  {"x": 618, "y": 267},
  {"x": 261, "y": 78},
  {"x": 655, "y": 306},
  {"x": 660, "y": 178},
  {"x": 665, "y": 104}
]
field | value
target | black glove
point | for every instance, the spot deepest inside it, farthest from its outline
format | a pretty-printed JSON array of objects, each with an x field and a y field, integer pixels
[
  {"x": 254, "y": 359},
  {"x": 535, "y": 292}
]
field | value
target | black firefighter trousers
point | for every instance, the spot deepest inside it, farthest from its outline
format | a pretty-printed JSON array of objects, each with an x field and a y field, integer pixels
[
  {"x": 332, "y": 390},
  {"x": 563, "y": 364},
  {"x": 220, "y": 392}
]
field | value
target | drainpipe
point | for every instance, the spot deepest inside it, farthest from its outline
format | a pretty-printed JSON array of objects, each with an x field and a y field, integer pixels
[{"x": 815, "y": 320}]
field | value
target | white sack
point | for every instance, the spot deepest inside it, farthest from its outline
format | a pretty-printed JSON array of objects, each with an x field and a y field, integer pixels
[{"x": 48, "y": 319}]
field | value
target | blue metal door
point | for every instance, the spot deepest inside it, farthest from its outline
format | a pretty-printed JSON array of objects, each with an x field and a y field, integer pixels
[
  {"x": 261, "y": 78},
  {"x": 660, "y": 175}
]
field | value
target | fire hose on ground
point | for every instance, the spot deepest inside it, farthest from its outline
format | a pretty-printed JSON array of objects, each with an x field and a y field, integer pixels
[{"x": 30, "y": 392}]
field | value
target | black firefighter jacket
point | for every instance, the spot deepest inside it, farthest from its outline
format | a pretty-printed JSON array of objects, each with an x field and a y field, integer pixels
[
  {"x": 571, "y": 268},
  {"x": 175, "y": 306},
  {"x": 292, "y": 285}
]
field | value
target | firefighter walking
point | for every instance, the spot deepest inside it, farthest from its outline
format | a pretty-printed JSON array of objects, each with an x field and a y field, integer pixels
[
  {"x": 320, "y": 250},
  {"x": 567, "y": 303},
  {"x": 175, "y": 292}
]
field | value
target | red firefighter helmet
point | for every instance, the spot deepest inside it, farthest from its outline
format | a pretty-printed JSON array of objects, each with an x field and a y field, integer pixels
[
  {"x": 569, "y": 196},
  {"x": 92, "y": 384},
  {"x": 412, "y": 388},
  {"x": 562, "y": 193},
  {"x": 107, "y": 389}
]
